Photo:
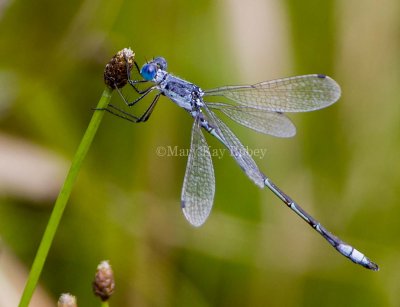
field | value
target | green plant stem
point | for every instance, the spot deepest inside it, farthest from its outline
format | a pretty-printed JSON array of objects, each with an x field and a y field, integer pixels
[
  {"x": 104, "y": 304},
  {"x": 62, "y": 199}
]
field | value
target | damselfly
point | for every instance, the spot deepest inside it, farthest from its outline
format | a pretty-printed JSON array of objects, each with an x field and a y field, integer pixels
[{"x": 259, "y": 107}]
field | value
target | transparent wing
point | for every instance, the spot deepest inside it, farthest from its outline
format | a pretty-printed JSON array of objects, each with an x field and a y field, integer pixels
[
  {"x": 272, "y": 123},
  {"x": 237, "y": 150},
  {"x": 199, "y": 183},
  {"x": 295, "y": 94}
]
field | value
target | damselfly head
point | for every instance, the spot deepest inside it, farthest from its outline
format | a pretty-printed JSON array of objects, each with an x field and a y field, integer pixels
[{"x": 149, "y": 70}]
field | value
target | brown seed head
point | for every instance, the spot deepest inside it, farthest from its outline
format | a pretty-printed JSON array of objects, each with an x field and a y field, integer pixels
[
  {"x": 115, "y": 73},
  {"x": 103, "y": 284}
]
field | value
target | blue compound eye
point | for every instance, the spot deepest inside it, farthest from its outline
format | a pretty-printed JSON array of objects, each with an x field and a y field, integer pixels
[
  {"x": 161, "y": 62},
  {"x": 148, "y": 71}
]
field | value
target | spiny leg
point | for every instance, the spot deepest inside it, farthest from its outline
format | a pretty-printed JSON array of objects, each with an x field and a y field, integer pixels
[
  {"x": 124, "y": 115},
  {"x": 130, "y": 104},
  {"x": 128, "y": 116},
  {"x": 149, "y": 111},
  {"x": 119, "y": 112},
  {"x": 133, "y": 82}
]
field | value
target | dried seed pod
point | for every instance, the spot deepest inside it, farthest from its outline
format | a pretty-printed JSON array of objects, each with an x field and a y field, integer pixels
[
  {"x": 103, "y": 284},
  {"x": 115, "y": 73}
]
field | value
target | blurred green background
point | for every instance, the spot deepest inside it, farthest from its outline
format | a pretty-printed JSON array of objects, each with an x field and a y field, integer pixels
[{"x": 342, "y": 166}]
